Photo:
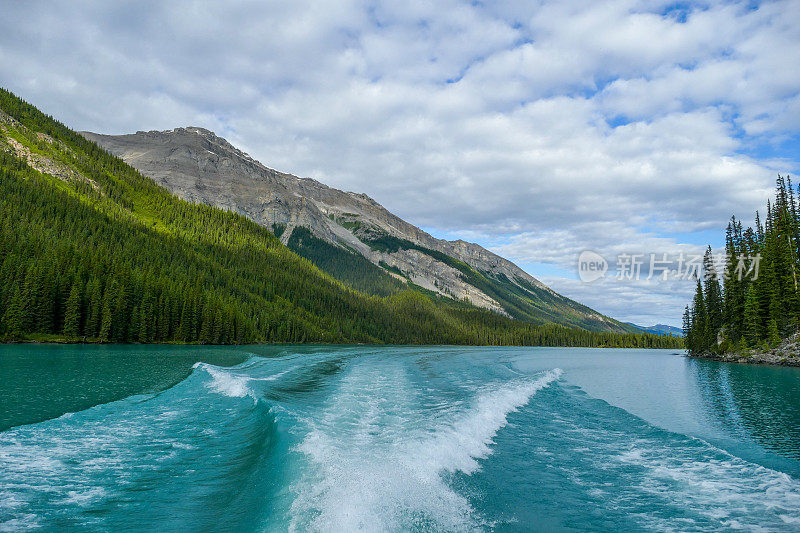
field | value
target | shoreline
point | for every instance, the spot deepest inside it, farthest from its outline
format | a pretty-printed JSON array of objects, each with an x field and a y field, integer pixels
[
  {"x": 278, "y": 343},
  {"x": 787, "y": 354}
]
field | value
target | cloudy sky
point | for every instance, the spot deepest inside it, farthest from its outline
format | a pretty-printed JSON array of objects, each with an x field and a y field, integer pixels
[{"x": 538, "y": 129}]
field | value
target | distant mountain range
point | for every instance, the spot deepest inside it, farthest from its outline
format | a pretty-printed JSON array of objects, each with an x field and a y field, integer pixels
[
  {"x": 659, "y": 329},
  {"x": 348, "y": 235}
]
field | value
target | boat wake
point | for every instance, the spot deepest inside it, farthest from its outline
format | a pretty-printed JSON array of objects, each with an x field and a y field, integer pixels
[
  {"x": 389, "y": 439},
  {"x": 179, "y": 457},
  {"x": 380, "y": 462}
]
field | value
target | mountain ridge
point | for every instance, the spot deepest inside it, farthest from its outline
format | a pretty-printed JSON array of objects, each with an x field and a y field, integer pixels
[
  {"x": 92, "y": 250},
  {"x": 202, "y": 167},
  {"x": 659, "y": 329}
]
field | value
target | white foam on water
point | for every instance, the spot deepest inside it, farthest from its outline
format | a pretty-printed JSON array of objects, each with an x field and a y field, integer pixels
[
  {"x": 459, "y": 446},
  {"x": 714, "y": 484},
  {"x": 227, "y": 383},
  {"x": 83, "y": 497},
  {"x": 52, "y": 465},
  {"x": 20, "y": 523},
  {"x": 387, "y": 471},
  {"x": 233, "y": 382},
  {"x": 60, "y": 468},
  {"x": 117, "y": 456}
]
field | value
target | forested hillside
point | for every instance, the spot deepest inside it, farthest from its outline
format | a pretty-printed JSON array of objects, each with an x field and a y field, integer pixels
[
  {"x": 757, "y": 303},
  {"x": 92, "y": 250},
  {"x": 347, "y": 235}
]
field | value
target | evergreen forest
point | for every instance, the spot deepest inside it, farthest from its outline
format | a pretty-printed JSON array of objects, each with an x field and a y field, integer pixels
[{"x": 93, "y": 251}]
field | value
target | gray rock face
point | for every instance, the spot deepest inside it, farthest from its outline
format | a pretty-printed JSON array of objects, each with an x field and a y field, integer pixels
[{"x": 199, "y": 166}]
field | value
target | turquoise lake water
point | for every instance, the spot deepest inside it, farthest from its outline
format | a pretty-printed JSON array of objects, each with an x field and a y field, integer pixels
[{"x": 322, "y": 438}]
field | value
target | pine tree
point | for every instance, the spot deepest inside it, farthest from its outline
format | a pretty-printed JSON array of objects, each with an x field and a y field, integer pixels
[
  {"x": 94, "y": 308},
  {"x": 206, "y": 330},
  {"x": 752, "y": 318},
  {"x": 759, "y": 229},
  {"x": 13, "y": 318},
  {"x": 733, "y": 285},
  {"x": 72, "y": 315},
  {"x": 687, "y": 321},
  {"x": 774, "y": 338},
  {"x": 742, "y": 345},
  {"x": 697, "y": 340},
  {"x": 120, "y": 315},
  {"x": 712, "y": 295},
  {"x": 216, "y": 330},
  {"x": 110, "y": 297}
]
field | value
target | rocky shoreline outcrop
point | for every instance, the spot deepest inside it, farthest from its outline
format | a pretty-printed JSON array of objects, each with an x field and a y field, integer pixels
[{"x": 785, "y": 354}]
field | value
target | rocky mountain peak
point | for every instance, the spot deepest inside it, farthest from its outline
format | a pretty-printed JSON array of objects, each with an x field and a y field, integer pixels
[{"x": 200, "y": 166}]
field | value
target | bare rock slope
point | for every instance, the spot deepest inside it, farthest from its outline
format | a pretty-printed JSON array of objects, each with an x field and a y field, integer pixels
[{"x": 199, "y": 166}]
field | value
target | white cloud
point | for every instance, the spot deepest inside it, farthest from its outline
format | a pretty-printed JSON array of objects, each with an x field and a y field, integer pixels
[
  {"x": 472, "y": 119},
  {"x": 640, "y": 302}
]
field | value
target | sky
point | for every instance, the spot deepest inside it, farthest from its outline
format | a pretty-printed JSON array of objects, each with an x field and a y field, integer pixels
[{"x": 537, "y": 129}]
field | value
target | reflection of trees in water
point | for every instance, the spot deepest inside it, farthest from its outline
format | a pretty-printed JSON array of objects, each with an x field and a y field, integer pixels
[{"x": 762, "y": 401}]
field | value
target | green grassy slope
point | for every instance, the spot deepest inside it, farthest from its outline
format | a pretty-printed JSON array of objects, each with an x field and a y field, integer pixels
[{"x": 90, "y": 249}]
